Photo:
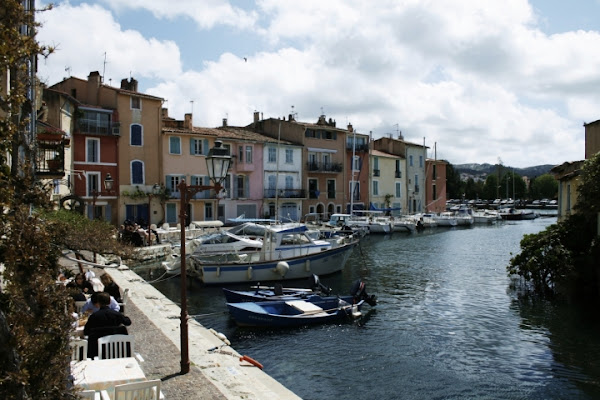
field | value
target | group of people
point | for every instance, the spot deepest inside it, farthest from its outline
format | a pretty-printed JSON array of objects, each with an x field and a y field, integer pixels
[
  {"x": 132, "y": 233},
  {"x": 102, "y": 308}
]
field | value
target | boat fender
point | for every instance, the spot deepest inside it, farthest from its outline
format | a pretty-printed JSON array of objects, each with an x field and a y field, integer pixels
[
  {"x": 282, "y": 268},
  {"x": 220, "y": 336},
  {"x": 249, "y": 273},
  {"x": 355, "y": 312},
  {"x": 251, "y": 361}
]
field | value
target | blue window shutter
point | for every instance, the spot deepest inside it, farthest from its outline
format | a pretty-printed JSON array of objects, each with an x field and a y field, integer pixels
[
  {"x": 136, "y": 135},
  {"x": 318, "y": 134},
  {"x": 90, "y": 211},
  {"x": 137, "y": 173},
  {"x": 129, "y": 212},
  {"x": 168, "y": 183},
  {"x": 334, "y": 135},
  {"x": 192, "y": 140},
  {"x": 108, "y": 212},
  {"x": 205, "y": 147}
]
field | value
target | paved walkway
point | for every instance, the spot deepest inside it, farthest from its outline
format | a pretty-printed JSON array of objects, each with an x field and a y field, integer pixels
[{"x": 213, "y": 375}]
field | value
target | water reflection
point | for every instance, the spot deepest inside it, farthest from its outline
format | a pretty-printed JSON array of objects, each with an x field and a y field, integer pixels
[{"x": 446, "y": 326}]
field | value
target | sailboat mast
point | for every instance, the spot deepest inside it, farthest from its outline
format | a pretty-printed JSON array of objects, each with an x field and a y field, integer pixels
[
  {"x": 277, "y": 173},
  {"x": 352, "y": 188}
]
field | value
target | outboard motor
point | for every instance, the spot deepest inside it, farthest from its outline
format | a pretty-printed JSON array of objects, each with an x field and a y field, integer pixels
[
  {"x": 359, "y": 292},
  {"x": 317, "y": 286}
]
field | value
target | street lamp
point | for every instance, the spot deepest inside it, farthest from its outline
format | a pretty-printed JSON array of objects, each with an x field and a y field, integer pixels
[
  {"x": 108, "y": 186},
  {"x": 218, "y": 162}
]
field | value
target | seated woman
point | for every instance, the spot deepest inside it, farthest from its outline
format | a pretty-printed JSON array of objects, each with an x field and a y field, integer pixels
[
  {"x": 111, "y": 287},
  {"x": 82, "y": 284}
]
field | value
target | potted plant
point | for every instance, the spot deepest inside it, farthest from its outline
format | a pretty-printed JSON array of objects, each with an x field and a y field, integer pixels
[{"x": 55, "y": 164}]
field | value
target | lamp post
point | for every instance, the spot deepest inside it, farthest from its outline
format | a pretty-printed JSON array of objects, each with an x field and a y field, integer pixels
[
  {"x": 108, "y": 186},
  {"x": 217, "y": 162},
  {"x": 155, "y": 192}
]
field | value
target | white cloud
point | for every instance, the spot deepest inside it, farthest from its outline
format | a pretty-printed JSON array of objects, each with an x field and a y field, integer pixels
[
  {"x": 479, "y": 78},
  {"x": 82, "y": 36}
]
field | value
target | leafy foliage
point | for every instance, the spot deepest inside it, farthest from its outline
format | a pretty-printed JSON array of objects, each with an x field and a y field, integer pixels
[
  {"x": 544, "y": 187},
  {"x": 588, "y": 200},
  {"x": 565, "y": 255}
]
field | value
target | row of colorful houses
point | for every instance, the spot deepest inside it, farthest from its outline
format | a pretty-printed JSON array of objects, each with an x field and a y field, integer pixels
[{"x": 281, "y": 168}]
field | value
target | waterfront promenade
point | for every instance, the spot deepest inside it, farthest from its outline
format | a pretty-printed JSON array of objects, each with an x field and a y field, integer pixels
[{"x": 213, "y": 374}]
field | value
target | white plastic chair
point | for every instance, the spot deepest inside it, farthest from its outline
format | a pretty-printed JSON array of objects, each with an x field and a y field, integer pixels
[
  {"x": 124, "y": 299},
  {"x": 78, "y": 349},
  {"x": 89, "y": 395},
  {"x": 115, "y": 346},
  {"x": 147, "y": 390}
]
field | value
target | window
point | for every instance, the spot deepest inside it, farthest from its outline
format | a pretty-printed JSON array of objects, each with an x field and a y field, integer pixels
[
  {"x": 356, "y": 164},
  {"x": 434, "y": 192},
  {"x": 136, "y": 103},
  {"x": 135, "y": 137},
  {"x": 416, "y": 183},
  {"x": 272, "y": 155},
  {"x": 434, "y": 172},
  {"x": 421, "y": 161},
  {"x": 93, "y": 150},
  {"x": 241, "y": 154},
  {"x": 242, "y": 186},
  {"x": 313, "y": 189},
  {"x": 375, "y": 188},
  {"x": 326, "y": 160},
  {"x": 289, "y": 156},
  {"x": 410, "y": 161},
  {"x": 196, "y": 147},
  {"x": 95, "y": 122},
  {"x": 249, "y": 154},
  {"x": 398, "y": 169},
  {"x": 398, "y": 189},
  {"x": 93, "y": 183},
  {"x": 289, "y": 182},
  {"x": 271, "y": 186},
  {"x": 172, "y": 181},
  {"x": 208, "y": 212},
  {"x": 174, "y": 145},
  {"x": 375, "y": 163},
  {"x": 137, "y": 173},
  {"x": 331, "y": 188}
]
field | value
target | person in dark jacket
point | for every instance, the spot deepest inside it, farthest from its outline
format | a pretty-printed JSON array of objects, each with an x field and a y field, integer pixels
[{"x": 103, "y": 322}]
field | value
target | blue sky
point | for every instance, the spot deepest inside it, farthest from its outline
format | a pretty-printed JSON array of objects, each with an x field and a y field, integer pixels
[{"x": 480, "y": 80}]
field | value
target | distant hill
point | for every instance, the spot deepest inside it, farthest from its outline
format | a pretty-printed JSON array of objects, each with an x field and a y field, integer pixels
[{"x": 487, "y": 169}]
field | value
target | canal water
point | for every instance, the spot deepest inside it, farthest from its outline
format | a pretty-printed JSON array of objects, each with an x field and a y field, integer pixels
[{"x": 447, "y": 326}]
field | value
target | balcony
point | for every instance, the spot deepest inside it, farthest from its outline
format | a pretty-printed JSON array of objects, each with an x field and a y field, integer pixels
[
  {"x": 398, "y": 174},
  {"x": 376, "y": 172},
  {"x": 416, "y": 189},
  {"x": 324, "y": 167},
  {"x": 50, "y": 155},
  {"x": 358, "y": 148},
  {"x": 285, "y": 193}
]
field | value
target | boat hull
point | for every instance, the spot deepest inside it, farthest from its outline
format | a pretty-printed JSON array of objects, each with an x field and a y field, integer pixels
[
  {"x": 281, "y": 314},
  {"x": 323, "y": 263}
]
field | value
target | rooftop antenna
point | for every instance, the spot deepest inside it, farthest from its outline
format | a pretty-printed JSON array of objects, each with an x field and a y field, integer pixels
[
  {"x": 68, "y": 71},
  {"x": 192, "y": 105},
  {"x": 322, "y": 113},
  {"x": 104, "y": 67}
]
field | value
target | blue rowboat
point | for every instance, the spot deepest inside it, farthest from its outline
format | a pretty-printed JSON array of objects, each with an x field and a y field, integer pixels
[{"x": 294, "y": 313}]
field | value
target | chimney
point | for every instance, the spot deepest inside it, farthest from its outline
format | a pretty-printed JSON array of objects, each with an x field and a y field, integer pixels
[
  {"x": 187, "y": 123},
  {"x": 350, "y": 129},
  {"x": 165, "y": 113},
  {"x": 256, "y": 116},
  {"x": 291, "y": 117},
  {"x": 322, "y": 120},
  {"x": 94, "y": 78},
  {"x": 224, "y": 122},
  {"x": 131, "y": 84}
]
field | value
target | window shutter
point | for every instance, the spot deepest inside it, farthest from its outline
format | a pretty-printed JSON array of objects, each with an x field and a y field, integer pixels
[
  {"x": 169, "y": 183},
  {"x": 334, "y": 135},
  {"x": 192, "y": 143},
  {"x": 235, "y": 185},
  {"x": 108, "y": 211},
  {"x": 318, "y": 134},
  {"x": 205, "y": 147}
]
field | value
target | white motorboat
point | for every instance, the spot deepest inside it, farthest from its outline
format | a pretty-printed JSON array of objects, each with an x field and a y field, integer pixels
[
  {"x": 289, "y": 251},
  {"x": 485, "y": 217},
  {"x": 445, "y": 219}
]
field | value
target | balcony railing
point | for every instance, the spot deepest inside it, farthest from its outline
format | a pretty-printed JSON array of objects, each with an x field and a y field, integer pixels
[
  {"x": 416, "y": 189},
  {"x": 376, "y": 172},
  {"x": 398, "y": 174},
  {"x": 50, "y": 155},
  {"x": 324, "y": 166},
  {"x": 358, "y": 147},
  {"x": 285, "y": 193}
]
